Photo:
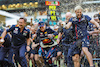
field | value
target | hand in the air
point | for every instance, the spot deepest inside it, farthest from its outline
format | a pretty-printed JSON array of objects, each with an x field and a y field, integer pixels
[{"x": 2, "y": 41}]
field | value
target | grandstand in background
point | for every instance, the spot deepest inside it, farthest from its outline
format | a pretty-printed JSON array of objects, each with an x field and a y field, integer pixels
[{"x": 37, "y": 9}]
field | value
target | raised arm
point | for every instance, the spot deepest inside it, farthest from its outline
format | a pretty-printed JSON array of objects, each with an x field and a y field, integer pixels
[
  {"x": 59, "y": 36},
  {"x": 68, "y": 25},
  {"x": 8, "y": 30},
  {"x": 2, "y": 37},
  {"x": 95, "y": 23},
  {"x": 4, "y": 34}
]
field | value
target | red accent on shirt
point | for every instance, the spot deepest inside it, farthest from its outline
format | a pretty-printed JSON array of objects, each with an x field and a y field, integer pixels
[{"x": 76, "y": 31}]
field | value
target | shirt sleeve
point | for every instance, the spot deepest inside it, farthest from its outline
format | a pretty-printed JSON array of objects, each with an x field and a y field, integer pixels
[
  {"x": 11, "y": 29},
  {"x": 88, "y": 18},
  {"x": 6, "y": 37},
  {"x": 91, "y": 27},
  {"x": 38, "y": 32},
  {"x": 60, "y": 30},
  {"x": 28, "y": 35},
  {"x": 70, "y": 20},
  {"x": 52, "y": 31}
]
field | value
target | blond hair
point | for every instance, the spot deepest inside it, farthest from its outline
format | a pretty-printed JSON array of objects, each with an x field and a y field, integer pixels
[{"x": 78, "y": 7}]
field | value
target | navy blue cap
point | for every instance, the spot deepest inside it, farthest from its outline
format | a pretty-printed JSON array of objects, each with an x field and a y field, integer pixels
[{"x": 41, "y": 24}]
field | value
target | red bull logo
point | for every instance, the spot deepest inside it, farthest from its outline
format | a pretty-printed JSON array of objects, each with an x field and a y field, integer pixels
[{"x": 46, "y": 41}]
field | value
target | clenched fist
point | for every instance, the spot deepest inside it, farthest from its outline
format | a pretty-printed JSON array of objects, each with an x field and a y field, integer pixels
[{"x": 1, "y": 41}]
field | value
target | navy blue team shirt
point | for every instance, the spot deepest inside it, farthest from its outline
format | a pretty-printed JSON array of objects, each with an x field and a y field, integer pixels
[
  {"x": 7, "y": 42},
  {"x": 67, "y": 35},
  {"x": 43, "y": 34},
  {"x": 81, "y": 27},
  {"x": 18, "y": 38},
  {"x": 7, "y": 39},
  {"x": 90, "y": 27}
]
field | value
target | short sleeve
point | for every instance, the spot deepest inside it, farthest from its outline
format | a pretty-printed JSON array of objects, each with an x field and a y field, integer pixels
[
  {"x": 87, "y": 17},
  {"x": 91, "y": 27},
  {"x": 38, "y": 32},
  {"x": 6, "y": 36},
  {"x": 28, "y": 35},
  {"x": 60, "y": 30},
  {"x": 11, "y": 29},
  {"x": 52, "y": 31}
]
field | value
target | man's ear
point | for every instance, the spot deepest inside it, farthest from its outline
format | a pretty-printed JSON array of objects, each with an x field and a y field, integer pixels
[
  {"x": 75, "y": 11},
  {"x": 25, "y": 23}
]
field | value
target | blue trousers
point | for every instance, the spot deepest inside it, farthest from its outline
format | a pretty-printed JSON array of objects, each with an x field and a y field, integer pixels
[
  {"x": 69, "y": 62},
  {"x": 19, "y": 52},
  {"x": 4, "y": 51},
  {"x": 73, "y": 49}
]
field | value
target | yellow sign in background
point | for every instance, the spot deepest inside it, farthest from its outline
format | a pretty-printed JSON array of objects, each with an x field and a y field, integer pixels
[{"x": 53, "y": 13}]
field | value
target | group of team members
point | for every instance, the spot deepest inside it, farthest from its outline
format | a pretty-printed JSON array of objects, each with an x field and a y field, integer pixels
[
  {"x": 43, "y": 45},
  {"x": 76, "y": 37}
]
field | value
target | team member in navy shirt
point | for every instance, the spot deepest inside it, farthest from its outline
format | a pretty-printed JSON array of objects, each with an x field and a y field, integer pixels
[
  {"x": 20, "y": 38},
  {"x": 80, "y": 27},
  {"x": 67, "y": 42},
  {"x": 49, "y": 46},
  {"x": 5, "y": 49},
  {"x": 35, "y": 47}
]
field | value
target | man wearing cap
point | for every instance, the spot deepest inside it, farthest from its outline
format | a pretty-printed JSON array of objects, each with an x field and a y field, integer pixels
[
  {"x": 20, "y": 40},
  {"x": 80, "y": 30},
  {"x": 49, "y": 46}
]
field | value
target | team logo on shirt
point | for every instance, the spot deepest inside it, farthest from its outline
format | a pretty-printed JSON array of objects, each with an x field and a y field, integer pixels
[
  {"x": 25, "y": 33},
  {"x": 15, "y": 31},
  {"x": 74, "y": 19},
  {"x": 45, "y": 33},
  {"x": 41, "y": 34}
]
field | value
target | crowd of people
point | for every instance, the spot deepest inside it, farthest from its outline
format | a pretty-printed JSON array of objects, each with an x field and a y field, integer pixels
[{"x": 73, "y": 40}]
